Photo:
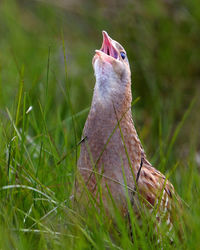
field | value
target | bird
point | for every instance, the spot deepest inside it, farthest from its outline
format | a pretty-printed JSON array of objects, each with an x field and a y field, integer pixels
[{"x": 111, "y": 153}]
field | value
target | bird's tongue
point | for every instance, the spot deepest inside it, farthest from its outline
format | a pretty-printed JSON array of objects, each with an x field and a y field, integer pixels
[{"x": 107, "y": 46}]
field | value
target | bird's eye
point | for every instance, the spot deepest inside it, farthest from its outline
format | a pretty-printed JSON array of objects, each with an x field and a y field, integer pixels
[{"x": 123, "y": 55}]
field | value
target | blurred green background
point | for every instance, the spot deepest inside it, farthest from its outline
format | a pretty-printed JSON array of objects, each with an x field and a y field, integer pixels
[{"x": 162, "y": 39}]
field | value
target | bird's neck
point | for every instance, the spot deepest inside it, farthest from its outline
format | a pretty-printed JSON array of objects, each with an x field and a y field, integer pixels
[
  {"x": 110, "y": 96},
  {"x": 110, "y": 106},
  {"x": 113, "y": 115}
]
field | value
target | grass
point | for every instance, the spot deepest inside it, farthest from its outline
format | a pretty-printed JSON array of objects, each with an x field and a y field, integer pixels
[{"x": 46, "y": 84}]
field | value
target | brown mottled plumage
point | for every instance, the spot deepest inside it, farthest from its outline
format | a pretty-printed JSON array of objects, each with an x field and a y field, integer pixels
[{"x": 111, "y": 143}]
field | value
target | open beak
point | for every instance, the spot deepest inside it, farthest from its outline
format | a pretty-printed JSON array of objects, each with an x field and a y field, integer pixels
[{"x": 107, "y": 47}]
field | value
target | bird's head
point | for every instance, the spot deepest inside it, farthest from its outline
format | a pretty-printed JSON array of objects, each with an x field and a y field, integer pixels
[{"x": 111, "y": 68}]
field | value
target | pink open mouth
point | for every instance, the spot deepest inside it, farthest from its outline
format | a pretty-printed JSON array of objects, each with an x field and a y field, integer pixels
[{"x": 107, "y": 46}]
